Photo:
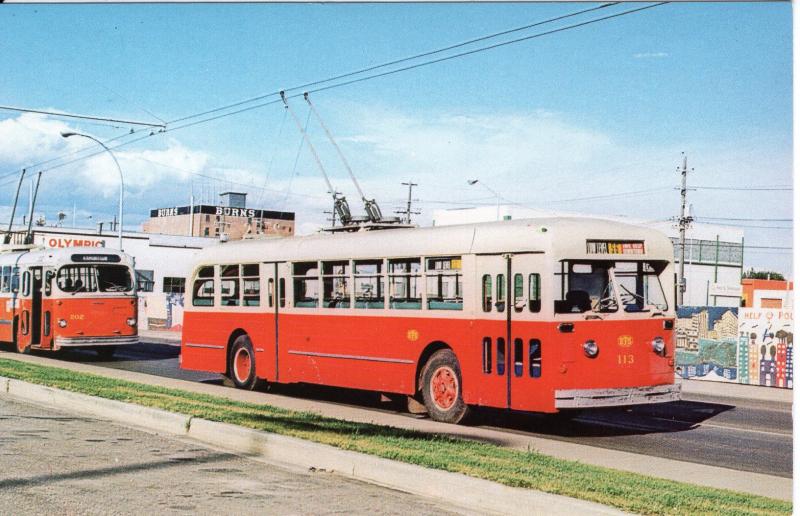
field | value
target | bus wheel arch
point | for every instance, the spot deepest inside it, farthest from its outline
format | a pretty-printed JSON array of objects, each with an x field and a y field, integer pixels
[
  {"x": 441, "y": 385},
  {"x": 241, "y": 360}
]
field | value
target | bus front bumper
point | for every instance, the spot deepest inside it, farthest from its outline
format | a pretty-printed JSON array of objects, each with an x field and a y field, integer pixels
[
  {"x": 68, "y": 342},
  {"x": 588, "y": 398}
]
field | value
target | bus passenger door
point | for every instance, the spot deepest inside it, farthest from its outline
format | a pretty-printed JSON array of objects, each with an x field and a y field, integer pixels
[
  {"x": 36, "y": 305},
  {"x": 267, "y": 357},
  {"x": 491, "y": 334},
  {"x": 526, "y": 342},
  {"x": 47, "y": 320}
]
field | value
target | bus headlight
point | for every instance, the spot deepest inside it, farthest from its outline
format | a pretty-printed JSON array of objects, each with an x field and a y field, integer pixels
[
  {"x": 131, "y": 321},
  {"x": 62, "y": 323},
  {"x": 659, "y": 346},
  {"x": 590, "y": 348}
]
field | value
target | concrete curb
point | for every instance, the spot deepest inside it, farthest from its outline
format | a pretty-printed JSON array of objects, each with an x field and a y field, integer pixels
[{"x": 468, "y": 492}]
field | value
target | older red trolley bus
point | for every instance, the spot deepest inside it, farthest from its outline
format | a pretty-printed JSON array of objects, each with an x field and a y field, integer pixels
[
  {"x": 57, "y": 298},
  {"x": 533, "y": 315}
]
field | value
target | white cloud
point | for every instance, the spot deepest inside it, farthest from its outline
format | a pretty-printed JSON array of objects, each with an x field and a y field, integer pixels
[
  {"x": 650, "y": 55},
  {"x": 30, "y": 138}
]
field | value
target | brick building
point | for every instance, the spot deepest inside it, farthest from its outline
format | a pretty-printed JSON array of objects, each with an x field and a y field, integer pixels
[{"x": 231, "y": 218}]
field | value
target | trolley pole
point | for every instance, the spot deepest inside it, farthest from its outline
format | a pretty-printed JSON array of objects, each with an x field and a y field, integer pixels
[{"x": 683, "y": 223}]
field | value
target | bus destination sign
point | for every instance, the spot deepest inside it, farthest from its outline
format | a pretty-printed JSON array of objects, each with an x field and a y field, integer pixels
[
  {"x": 614, "y": 247},
  {"x": 95, "y": 258}
]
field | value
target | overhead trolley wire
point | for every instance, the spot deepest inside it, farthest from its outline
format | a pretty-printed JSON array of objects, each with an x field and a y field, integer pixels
[
  {"x": 346, "y": 83},
  {"x": 82, "y": 117},
  {"x": 393, "y": 62}
]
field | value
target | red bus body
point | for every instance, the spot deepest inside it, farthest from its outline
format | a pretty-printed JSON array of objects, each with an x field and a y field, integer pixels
[
  {"x": 36, "y": 313},
  {"x": 530, "y": 357}
]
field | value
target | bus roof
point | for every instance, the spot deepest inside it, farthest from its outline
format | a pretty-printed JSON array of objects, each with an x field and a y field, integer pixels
[
  {"x": 563, "y": 237},
  {"x": 49, "y": 256}
]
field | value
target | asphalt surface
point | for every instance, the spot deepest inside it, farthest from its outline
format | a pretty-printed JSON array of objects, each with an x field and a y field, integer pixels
[
  {"x": 740, "y": 434},
  {"x": 57, "y": 463}
]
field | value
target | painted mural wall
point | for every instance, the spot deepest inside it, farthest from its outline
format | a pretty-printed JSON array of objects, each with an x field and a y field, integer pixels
[{"x": 738, "y": 345}]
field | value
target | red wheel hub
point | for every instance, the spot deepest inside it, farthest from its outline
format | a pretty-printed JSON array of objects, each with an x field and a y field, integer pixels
[
  {"x": 444, "y": 388},
  {"x": 242, "y": 364}
]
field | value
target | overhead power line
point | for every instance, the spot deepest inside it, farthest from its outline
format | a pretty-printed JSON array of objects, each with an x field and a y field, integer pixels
[
  {"x": 346, "y": 83},
  {"x": 390, "y": 63},
  {"x": 745, "y": 188},
  {"x": 743, "y": 219},
  {"x": 82, "y": 117}
]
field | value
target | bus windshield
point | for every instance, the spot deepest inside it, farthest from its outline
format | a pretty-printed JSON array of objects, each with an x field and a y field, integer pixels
[
  {"x": 94, "y": 278},
  {"x": 601, "y": 286}
]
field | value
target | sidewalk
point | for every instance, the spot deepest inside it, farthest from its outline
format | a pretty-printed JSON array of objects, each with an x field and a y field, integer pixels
[
  {"x": 711, "y": 476},
  {"x": 736, "y": 390}
]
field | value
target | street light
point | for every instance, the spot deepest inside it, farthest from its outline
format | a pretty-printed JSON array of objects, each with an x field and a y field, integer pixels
[
  {"x": 67, "y": 134},
  {"x": 473, "y": 182}
]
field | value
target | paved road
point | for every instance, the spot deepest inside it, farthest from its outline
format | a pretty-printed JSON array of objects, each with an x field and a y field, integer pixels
[
  {"x": 57, "y": 463},
  {"x": 731, "y": 433}
]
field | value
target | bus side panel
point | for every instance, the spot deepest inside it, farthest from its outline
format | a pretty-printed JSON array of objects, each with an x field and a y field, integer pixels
[
  {"x": 205, "y": 339},
  {"x": 7, "y": 319},
  {"x": 482, "y": 383},
  {"x": 24, "y": 327}
]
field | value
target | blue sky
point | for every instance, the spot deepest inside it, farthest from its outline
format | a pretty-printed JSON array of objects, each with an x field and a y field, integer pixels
[{"x": 602, "y": 109}]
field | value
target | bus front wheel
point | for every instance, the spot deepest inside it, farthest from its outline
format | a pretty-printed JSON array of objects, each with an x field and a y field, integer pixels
[
  {"x": 442, "y": 388},
  {"x": 242, "y": 364}
]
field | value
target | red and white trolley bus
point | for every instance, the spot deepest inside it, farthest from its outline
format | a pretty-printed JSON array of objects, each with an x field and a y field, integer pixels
[
  {"x": 533, "y": 315},
  {"x": 56, "y": 298}
]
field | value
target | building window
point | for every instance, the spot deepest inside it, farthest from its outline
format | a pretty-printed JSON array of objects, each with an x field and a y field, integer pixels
[
  {"x": 205, "y": 232},
  {"x": 144, "y": 281},
  {"x": 174, "y": 285}
]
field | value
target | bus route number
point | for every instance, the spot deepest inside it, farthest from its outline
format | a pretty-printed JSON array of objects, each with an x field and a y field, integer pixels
[
  {"x": 76, "y": 317},
  {"x": 624, "y": 359}
]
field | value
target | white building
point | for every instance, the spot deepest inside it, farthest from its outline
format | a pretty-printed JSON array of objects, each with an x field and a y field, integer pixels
[{"x": 714, "y": 257}]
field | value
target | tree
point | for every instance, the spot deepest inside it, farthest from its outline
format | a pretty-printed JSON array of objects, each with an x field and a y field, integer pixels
[{"x": 754, "y": 274}]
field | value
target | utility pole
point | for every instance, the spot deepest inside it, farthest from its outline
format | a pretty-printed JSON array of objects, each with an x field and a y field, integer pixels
[
  {"x": 408, "y": 211},
  {"x": 683, "y": 223}
]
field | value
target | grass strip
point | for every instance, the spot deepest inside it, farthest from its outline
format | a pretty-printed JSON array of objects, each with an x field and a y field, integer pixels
[{"x": 627, "y": 491}]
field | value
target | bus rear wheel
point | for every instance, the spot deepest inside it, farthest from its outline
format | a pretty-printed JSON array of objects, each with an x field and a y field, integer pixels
[
  {"x": 242, "y": 364},
  {"x": 442, "y": 388}
]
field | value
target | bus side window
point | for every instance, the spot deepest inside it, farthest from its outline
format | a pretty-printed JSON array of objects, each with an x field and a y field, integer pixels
[
  {"x": 229, "y": 285},
  {"x": 48, "y": 282},
  {"x": 281, "y": 292},
  {"x": 405, "y": 284},
  {"x": 336, "y": 284},
  {"x": 368, "y": 284},
  {"x": 500, "y": 299},
  {"x": 251, "y": 286},
  {"x": 306, "y": 284},
  {"x": 535, "y": 356},
  {"x": 6, "y": 275},
  {"x": 15, "y": 280},
  {"x": 519, "y": 293},
  {"x": 270, "y": 292},
  {"x": 518, "y": 364},
  {"x": 501, "y": 356},
  {"x": 487, "y": 355},
  {"x": 534, "y": 292},
  {"x": 487, "y": 292},
  {"x": 203, "y": 291},
  {"x": 26, "y": 283},
  {"x": 444, "y": 283}
]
